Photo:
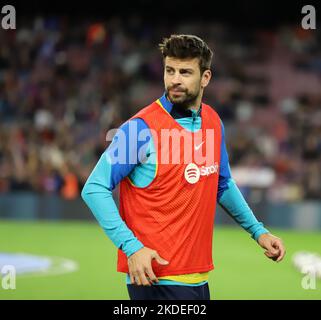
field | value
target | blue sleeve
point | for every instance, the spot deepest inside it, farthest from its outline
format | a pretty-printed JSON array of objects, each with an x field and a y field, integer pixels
[
  {"x": 231, "y": 199},
  {"x": 127, "y": 149},
  {"x": 233, "y": 202},
  {"x": 225, "y": 172},
  {"x": 97, "y": 191}
]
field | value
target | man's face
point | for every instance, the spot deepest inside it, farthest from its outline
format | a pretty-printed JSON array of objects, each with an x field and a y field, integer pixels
[{"x": 183, "y": 80}]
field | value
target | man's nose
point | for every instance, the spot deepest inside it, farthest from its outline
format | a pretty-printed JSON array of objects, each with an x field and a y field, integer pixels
[{"x": 176, "y": 79}]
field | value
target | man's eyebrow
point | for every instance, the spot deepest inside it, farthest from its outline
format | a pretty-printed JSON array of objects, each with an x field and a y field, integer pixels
[
  {"x": 181, "y": 69},
  {"x": 186, "y": 69}
]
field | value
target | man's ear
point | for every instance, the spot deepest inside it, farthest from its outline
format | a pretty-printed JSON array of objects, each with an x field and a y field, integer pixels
[{"x": 206, "y": 77}]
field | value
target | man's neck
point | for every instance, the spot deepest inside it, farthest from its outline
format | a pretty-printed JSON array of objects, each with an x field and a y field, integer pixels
[
  {"x": 180, "y": 112},
  {"x": 197, "y": 103},
  {"x": 194, "y": 108}
]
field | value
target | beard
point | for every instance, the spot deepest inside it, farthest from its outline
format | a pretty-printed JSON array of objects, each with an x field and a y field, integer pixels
[{"x": 185, "y": 98}]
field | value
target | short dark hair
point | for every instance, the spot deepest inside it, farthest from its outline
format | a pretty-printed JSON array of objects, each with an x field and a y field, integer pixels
[{"x": 183, "y": 46}]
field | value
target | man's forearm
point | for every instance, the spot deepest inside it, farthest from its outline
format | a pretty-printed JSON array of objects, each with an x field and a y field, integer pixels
[
  {"x": 99, "y": 199},
  {"x": 233, "y": 202}
]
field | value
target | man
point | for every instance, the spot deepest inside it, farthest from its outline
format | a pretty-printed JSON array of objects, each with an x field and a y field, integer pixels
[{"x": 164, "y": 226}]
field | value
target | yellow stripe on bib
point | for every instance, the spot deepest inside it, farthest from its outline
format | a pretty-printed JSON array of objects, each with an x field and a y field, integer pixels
[{"x": 188, "y": 278}]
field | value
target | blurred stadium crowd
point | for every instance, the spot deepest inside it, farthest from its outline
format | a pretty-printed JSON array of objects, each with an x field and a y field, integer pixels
[{"x": 64, "y": 84}]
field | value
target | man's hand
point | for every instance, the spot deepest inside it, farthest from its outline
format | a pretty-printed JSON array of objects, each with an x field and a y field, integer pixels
[
  {"x": 140, "y": 263},
  {"x": 274, "y": 247}
]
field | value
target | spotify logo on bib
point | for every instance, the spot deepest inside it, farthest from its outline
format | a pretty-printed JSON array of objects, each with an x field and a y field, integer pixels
[{"x": 192, "y": 173}]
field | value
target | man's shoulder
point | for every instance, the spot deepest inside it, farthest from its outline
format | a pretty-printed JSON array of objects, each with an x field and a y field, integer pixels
[
  {"x": 211, "y": 113},
  {"x": 209, "y": 108},
  {"x": 147, "y": 110},
  {"x": 133, "y": 123}
]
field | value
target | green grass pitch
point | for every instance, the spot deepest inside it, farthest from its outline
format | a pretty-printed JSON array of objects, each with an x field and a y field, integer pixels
[{"x": 241, "y": 269}]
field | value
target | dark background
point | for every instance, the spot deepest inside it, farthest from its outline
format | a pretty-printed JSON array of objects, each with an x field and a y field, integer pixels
[{"x": 243, "y": 13}]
